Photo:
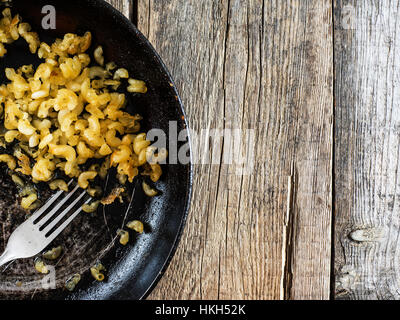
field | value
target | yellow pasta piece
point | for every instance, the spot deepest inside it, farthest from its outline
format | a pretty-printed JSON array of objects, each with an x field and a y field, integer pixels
[
  {"x": 84, "y": 177},
  {"x": 11, "y": 163}
]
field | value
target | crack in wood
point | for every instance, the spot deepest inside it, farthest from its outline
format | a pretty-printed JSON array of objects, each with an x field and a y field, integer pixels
[{"x": 287, "y": 238}]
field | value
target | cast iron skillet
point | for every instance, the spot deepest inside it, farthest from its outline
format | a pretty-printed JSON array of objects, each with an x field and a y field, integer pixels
[{"x": 132, "y": 271}]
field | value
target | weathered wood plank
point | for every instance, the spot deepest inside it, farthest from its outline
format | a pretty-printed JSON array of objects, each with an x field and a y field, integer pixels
[
  {"x": 267, "y": 66},
  {"x": 367, "y": 215},
  {"x": 125, "y": 6}
]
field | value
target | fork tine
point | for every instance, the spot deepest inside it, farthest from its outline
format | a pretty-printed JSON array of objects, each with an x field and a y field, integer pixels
[
  {"x": 62, "y": 214},
  {"x": 57, "y": 207},
  {"x": 65, "y": 224},
  {"x": 39, "y": 211},
  {"x": 53, "y": 198}
]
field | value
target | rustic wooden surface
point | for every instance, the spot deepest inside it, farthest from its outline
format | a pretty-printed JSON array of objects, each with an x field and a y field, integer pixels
[
  {"x": 265, "y": 66},
  {"x": 367, "y": 155},
  {"x": 318, "y": 82}
]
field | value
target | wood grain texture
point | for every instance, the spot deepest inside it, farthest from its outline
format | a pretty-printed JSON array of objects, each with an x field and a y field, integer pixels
[
  {"x": 367, "y": 136},
  {"x": 124, "y": 6},
  {"x": 266, "y": 66}
]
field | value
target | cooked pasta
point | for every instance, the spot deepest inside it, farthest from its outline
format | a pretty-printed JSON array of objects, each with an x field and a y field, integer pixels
[
  {"x": 67, "y": 112},
  {"x": 71, "y": 283},
  {"x": 148, "y": 190},
  {"x": 53, "y": 254},
  {"x": 136, "y": 225},
  {"x": 40, "y": 266},
  {"x": 123, "y": 237},
  {"x": 97, "y": 272},
  {"x": 91, "y": 207}
]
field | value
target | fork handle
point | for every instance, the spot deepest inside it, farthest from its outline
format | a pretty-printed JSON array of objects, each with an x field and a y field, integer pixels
[{"x": 6, "y": 257}]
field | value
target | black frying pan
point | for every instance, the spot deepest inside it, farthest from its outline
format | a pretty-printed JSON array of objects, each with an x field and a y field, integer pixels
[{"x": 132, "y": 271}]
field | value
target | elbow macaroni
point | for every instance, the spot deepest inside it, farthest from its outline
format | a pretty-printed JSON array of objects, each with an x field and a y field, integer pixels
[
  {"x": 65, "y": 113},
  {"x": 84, "y": 177}
]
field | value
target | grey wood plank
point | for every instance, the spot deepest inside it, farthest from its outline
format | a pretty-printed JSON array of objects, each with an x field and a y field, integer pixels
[
  {"x": 267, "y": 66},
  {"x": 367, "y": 140}
]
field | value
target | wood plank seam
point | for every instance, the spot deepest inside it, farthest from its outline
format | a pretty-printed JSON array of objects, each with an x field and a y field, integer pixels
[{"x": 332, "y": 271}]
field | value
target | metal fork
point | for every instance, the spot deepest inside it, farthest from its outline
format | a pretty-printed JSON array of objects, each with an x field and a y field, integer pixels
[{"x": 30, "y": 238}]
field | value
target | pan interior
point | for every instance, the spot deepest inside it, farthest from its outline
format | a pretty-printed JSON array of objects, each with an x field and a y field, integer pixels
[{"x": 132, "y": 269}]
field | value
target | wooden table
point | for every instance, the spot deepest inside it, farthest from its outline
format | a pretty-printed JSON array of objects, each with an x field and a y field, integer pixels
[{"x": 318, "y": 82}]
